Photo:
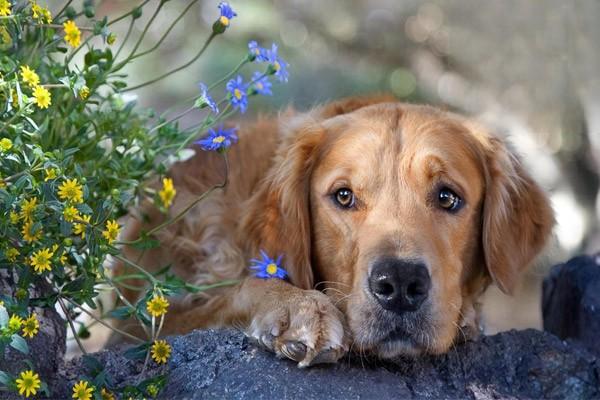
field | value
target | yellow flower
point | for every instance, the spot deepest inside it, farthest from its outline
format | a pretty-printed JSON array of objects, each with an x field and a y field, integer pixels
[
  {"x": 29, "y": 76},
  {"x": 14, "y": 217},
  {"x": 157, "y": 306},
  {"x": 2, "y": 183},
  {"x": 28, "y": 233},
  {"x": 5, "y": 36},
  {"x": 14, "y": 323},
  {"x": 111, "y": 39},
  {"x": 79, "y": 228},
  {"x": 63, "y": 258},
  {"x": 28, "y": 383},
  {"x": 5, "y": 8},
  {"x": 42, "y": 97},
  {"x": 71, "y": 190},
  {"x": 161, "y": 351},
  {"x": 112, "y": 231},
  {"x": 152, "y": 390},
  {"x": 28, "y": 208},
  {"x": 81, "y": 391},
  {"x": 70, "y": 213},
  {"x": 168, "y": 192},
  {"x": 84, "y": 92},
  {"x": 11, "y": 254},
  {"x": 31, "y": 326},
  {"x": 106, "y": 395},
  {"x": 40, "y": 260},
  {"x": 50, "y": 174},
  {"x": 5, "y": 144},
  {"x": 40, "y": 14},
  {"x": 72, "y": 33}
]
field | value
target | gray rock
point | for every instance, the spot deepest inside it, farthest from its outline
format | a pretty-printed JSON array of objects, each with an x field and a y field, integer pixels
[
  {"x": 571, "y": 301},
  {"x": 223, "y": 364}
]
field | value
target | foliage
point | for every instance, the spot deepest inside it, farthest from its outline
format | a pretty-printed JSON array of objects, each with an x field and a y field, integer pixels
[{"x": 75, "y": 153}]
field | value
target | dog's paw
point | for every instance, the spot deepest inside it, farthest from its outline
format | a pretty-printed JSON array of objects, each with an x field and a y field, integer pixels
[{"x": 305, "y": 327}]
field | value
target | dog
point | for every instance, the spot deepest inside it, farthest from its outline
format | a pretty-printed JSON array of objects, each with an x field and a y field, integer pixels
[{"x": 391, "y": 220}]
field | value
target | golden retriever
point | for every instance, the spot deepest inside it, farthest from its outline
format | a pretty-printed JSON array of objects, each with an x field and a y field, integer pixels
[{"x": 392, "y": 220}]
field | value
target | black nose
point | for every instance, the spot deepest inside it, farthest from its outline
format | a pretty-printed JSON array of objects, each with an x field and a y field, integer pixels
[{"x": 399, "y": 285}]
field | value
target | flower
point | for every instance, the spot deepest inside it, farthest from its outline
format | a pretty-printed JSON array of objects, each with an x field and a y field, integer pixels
[
  {"x": 157, "y": 306},
  {"x": 152, "y": 390},
  {"x": 79, "y": 228},
  {"x": 218, "y": 139},
  {"x": 40, "y": 14},
  {"x": 81, "y": 391},
  {"x": 84, "y": 92},
  {"x": 42, "y": 97},
  {"x": 237, "y": 91},
  {"x": 168, "y": 192},
  {"x": 278, "y": 65},
  {"x": 106, "y": 395},
  {"x": 50, "y": 174},
  {"x": 71, "y": 190},
  {"x": 227, "y": 13},
  {"x": 29, "y": 76},
  {"x": 28, "y": 234},
  {"x": 5, "y": 8},
  {"x": 14, "y": 323},
  {"x": 161, "y": 351},
  {"x": 267, "y": 268},
  {"x": 70, "y": 213},
  {"x": 63, "y": 258},
  {"x": 261, "y": 84},
  {"x": 72, "y": 33},
  {"x": 206, "y": 100},
  {"x": 257, "y": 53},
  {"x": 30, "y": 326},
  {"x": 40, "y": 260},
  {"x": 28, "y": 383},
  {"x": 11, "y": 254},
  {"x": 112, "y": 231},
  {"x": 5, "y": 144},
  {"x": 28, "y": 208},
  {"x": 111, "y": 38}
]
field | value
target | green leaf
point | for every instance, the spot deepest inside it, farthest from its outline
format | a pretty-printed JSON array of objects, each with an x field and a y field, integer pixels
[
  {"x": 18, "y": 343},
  {"x": 123, "y": 312},
  {"x": 137, "y": 352},
  {"x": 5, "y": 378},
  {"x": 3, "y": 317},
  {"x": 92, "y": 365}
]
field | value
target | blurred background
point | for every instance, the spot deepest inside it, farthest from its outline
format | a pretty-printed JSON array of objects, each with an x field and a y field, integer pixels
[{"x": 528, "y": 69}]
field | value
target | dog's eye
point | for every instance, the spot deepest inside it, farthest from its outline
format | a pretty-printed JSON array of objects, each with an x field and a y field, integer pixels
[
  {"x": 448, "y": 200},
  {"x": 344, "y": 198}
]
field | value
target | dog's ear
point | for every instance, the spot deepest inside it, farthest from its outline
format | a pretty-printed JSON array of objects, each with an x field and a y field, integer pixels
[
  {"x": 278, "y": 215},
  {"x": 517, "y": 216}
]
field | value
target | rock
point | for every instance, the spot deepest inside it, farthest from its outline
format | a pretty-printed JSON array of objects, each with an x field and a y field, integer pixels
[
  {"x": 223, "y": 364},
  {"x": 571, "y": 301}
]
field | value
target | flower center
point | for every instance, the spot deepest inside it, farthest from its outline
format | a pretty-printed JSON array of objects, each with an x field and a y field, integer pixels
[
  {"x": 259, "y": 85},
  {"x": 237, "y": 93},
  {"x": 219, "y": 139},
  {"x": 271, "y": 269},
  {"x": 276, "y": 66},
  {"x": 224, "y": 20}
]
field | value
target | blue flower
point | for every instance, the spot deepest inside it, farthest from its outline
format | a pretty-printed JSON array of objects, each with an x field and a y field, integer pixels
[
  {"x": 267, "y": 268},
  {"x": 258, "y": 53},
  {"x": 278, "y": 65},
  {"x": 227, "y": 13},
  {"x": 261, "y": 84},
  {"x": 205, "y": 99},
  {"x": 218, "y": 139},
  {"x": 238, "y": 91}
]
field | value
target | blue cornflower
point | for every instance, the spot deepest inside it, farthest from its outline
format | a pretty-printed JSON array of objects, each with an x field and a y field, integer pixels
[
  {"x": 205, "y": 99},
  {"x": 238, "y": 91},
  {"x": 259, "y": 53},
  {"x": 227, "y": 13},
  {"x": 261, "y": 84},
  {"x": 278, "y": 64},
  {"x": 218, "y": 139},
  {"x": 267, "y": 268}
]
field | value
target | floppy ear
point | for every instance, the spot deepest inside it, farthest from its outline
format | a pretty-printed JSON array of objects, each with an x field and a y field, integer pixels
[{"x": 517, "y": 216}]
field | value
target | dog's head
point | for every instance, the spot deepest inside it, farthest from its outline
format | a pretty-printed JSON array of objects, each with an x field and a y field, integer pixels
[{"x": 403, "y": 214}]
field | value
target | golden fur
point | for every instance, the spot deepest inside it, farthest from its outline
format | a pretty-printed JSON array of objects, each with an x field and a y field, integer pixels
[{"x": 278, "y": 198}]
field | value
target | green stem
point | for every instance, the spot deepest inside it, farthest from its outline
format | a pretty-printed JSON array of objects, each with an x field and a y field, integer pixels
[
  {"x": 129, "y": 29},
  {"x": 229, "y": 75},
  {"x": 114, "y": 21},
  {"x": 62, "y": 10},
  {"x": 70, "y": 321},
  {"x": 139, "y": 268},
  {"x": 175, "y": 118}
]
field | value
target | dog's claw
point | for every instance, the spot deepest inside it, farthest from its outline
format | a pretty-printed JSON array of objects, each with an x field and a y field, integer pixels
[{"x": 294, "y": 350}]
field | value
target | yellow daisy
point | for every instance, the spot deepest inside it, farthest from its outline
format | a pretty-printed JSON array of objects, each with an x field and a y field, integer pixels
[
  {"x": 30, "y": 326},
  {"x": 40, "y": 260},
  {"x": 84, "y": 92},
  {"x": 70, "y": 213},
  {"x": 168, "y": 192},
  {"x": 106, "y": 395},
  {"x": 81, "y": 391},
  {"x": 71, "y": 190},
  {"x": 79, "y": 228},
  {"x": 29, "y": 76},
  {"x": 157, "y": 306},
  {"x": 5, "y": 144},
  {"x": 50, "y": 174},
  {"x": 14, "y": 323},
  {"x": 28, "y": 208},
  {"x": 72, "y": 33},
  {"x": 28, "y": 383},
  {"x": 14, "y": 217},
  {"x": 40, "y": 14},
  {"x": 112, "y": 231},
  {"x": 161, "y": 351},
  {"x": 42, "y": 96},
  {"x": 5, "y": 8},
  {"x": 28, "y": 233},
  {"x": 11, "y": 254}
]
